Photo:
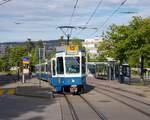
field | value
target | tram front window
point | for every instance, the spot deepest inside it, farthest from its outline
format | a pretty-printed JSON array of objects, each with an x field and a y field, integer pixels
[{"x": 72, "y": 64}]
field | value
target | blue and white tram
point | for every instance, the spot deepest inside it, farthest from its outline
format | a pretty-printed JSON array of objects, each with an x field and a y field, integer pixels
[{"x": 68, "y": 71}]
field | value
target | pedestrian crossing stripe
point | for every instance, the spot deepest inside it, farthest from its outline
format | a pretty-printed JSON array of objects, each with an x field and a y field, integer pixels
[{"x": 9, "y": 91}]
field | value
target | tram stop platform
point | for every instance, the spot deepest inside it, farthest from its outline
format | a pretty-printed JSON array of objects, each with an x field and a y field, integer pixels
[
  {"x": 143, "y": 91},
  {"x": 31, "y": 88}
]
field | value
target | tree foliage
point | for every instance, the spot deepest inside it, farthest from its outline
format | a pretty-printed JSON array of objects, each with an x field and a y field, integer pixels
[
  {"x": 14, "y": 54},
  {"x": 77, "y": 41},
  {"x": 128, "y": 42}
]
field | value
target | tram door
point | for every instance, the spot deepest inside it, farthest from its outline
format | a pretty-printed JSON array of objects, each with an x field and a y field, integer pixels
[
  {"x": 53, "y": 67},
  {"x": 125, "y": 73}
]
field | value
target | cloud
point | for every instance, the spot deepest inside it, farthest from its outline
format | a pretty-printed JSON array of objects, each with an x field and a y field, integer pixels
[{"x": 36, "y": 16}]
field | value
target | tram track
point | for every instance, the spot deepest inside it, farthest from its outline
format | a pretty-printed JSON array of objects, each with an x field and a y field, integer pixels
[
  {"x": 112, "y": 90},
  {"x": 74, "y": 110},
  {"x": 137, "y": 105},
  {"x": 100, "y": 114},
  {"x": 71, "y": 108}
]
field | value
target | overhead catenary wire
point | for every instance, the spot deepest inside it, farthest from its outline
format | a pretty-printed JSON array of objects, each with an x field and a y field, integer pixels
[
  {"x": 4, "y": 2},
  {"x": 72, "y": 15},
  {"x": 91, "y": 16},
  {"x": 108, "y": 18},
  {"x": 68, "y": 33},
  {"x": 93, "y": 13},
  {"x": 73, "y": 12}
]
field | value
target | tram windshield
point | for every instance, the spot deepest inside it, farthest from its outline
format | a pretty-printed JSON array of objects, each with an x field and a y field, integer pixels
[{"x": 72, "y": 64}]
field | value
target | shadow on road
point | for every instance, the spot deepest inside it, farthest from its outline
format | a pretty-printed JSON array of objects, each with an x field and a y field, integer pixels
[
  {"x": 27, "y": 108},
  {"x": 89, "y": 88},
  {"x": 7, "y": 79},
  {"x": 10, "y": 78}
]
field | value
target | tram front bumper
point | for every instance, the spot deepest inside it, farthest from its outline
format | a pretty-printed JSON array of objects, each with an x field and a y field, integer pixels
[{"x": 73, "y": 88}]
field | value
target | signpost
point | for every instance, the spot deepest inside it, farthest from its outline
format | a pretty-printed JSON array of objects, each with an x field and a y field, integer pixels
[{"x": 25, "y": 62}]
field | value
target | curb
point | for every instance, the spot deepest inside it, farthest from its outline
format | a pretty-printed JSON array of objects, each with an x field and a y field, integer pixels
[
  {"x": 33, "y": 96},
  {"x": 7, "y": 91},
  {"x": 34, "y": 92},
  {"x": 13, "y": 91}
]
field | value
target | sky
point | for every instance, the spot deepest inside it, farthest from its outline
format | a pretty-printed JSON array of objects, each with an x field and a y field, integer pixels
[{"x": 40, "y": 19}]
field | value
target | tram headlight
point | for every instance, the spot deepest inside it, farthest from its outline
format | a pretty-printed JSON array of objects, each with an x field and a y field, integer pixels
[{"x": 73, "y": 80}]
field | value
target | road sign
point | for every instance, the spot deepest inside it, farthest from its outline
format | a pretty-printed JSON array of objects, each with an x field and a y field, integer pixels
[
  {"x": 25, "y": 60},
  {"x": 25, "y": 71}
]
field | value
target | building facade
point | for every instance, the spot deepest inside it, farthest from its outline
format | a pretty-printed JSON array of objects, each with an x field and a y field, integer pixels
[
  {"x": 91, "y": 46},
  {"x": 2, "y": 49}
]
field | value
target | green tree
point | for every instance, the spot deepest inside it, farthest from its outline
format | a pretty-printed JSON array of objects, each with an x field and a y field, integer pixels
[
  {"x": 61, "y": 41},
  {"x": 50, "y": 54},
  {"x": 5, "y": 60},
  {"x": 125, "y": 42},
  {"x": 77, "y": 41},
  {"x": 39, "y": 44},
  {"x": 140, "y": 40},
  {"x": 16, "y": 54},
  {"x": 29, "y": 46},
  {"x": 114, "y": 43}
]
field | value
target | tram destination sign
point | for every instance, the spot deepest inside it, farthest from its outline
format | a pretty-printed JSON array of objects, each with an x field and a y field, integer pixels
[{"x": 72, "y": 49}]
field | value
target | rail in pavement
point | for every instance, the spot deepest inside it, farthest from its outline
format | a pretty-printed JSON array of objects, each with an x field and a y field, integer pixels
[{"x": 143, "y": 91}]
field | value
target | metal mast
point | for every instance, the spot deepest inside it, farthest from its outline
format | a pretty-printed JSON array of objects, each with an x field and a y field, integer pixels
[{"x": 65, "y": 30}]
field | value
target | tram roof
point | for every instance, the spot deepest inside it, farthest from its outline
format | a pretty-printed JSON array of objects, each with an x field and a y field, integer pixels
[
  {"x": 96, "y": 63},
  {"x": 99, "y": 63},
  {"x": 63, "y": 49}
]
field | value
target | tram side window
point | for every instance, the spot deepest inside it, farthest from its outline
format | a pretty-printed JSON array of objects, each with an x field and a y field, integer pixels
[
  {"x": 60, "y": 66},
  {"x": 36, "y": 68},
  {"x": 42, "y": 67},
  {"x": 83, "y": 65},
  {"x": 48, "y": 67},
  {"x": 54, "y": 72}
]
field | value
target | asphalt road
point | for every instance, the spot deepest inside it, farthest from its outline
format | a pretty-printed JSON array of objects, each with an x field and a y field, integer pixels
[
  {"x": 35, "y": 108},
  {"x": 28, "y": 108}
]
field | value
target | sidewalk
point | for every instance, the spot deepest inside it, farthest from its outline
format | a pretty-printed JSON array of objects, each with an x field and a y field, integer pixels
[
  {"x": 36, "y": 88},
  {"x": 32, "y": 88},
  {"x": 143, "y": 91}
]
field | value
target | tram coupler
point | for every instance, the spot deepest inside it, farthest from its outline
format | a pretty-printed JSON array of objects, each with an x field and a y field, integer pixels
[{"x": 73, "y": 89}]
